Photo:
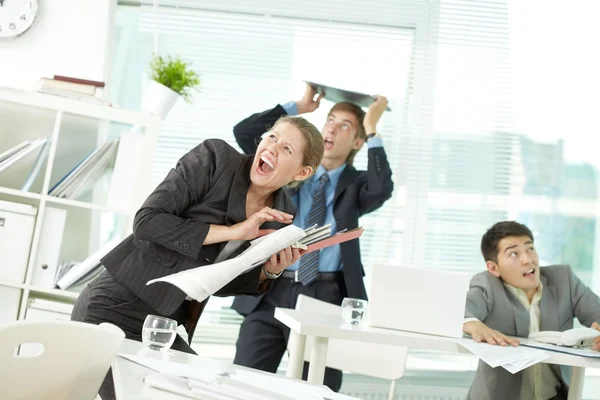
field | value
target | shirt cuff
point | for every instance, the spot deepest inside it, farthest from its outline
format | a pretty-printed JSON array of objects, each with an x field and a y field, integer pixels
[
  {"x": 374, "y": 142},
  {"x": 469, "y": 320},
  {"x": 290, "y": 108}
]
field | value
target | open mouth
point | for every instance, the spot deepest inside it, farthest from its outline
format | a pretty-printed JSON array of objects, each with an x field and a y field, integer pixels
[
  {"x": 265, "y": 166},
  {"x": 529, "y": 272},
  {"x": 328, "y": 143}
]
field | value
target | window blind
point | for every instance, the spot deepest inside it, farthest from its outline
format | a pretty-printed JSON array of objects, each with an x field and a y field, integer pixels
[{"x": 462, "y": 159}]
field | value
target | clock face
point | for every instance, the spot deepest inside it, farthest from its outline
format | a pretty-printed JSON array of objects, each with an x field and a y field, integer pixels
[{"x": 16, "y": 16}]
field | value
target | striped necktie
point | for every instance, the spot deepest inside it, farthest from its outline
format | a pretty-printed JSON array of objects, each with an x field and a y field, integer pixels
[{"x": 309, "y": 263}]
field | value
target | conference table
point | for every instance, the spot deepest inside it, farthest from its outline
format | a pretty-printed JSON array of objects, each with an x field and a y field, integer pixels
[
  {"x": 325, "y": 326},
  {"x": 129, "y": 376}
]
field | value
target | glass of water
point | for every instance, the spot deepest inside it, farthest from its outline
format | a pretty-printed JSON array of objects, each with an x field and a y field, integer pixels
[
  {"x": 159, "y": 332},
  {"x": 354, "y": 311}
]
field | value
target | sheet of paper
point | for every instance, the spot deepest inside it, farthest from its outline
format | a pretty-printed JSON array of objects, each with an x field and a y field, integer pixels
[
  {"x": 199, "y": 283},
  {"x": 513, "y": 359},
  {"x": 174, "y": 368},
  {"x": 577, "y": 352},
  {"x": 171, "y": 384},
  {"x": 210, "y": 384},
  {"x": 515, "y": 366},
  {"x": 283, "y": 388}
]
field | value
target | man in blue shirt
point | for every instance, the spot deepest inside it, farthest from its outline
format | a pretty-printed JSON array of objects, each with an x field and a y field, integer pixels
[{"x": 337, "y": 194}]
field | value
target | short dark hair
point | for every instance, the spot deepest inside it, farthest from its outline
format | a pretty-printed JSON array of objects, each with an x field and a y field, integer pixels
[{"x": 501, "y": 230}]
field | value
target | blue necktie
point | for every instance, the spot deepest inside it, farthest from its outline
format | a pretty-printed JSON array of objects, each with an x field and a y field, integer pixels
[{"x": 309, "y": 263}]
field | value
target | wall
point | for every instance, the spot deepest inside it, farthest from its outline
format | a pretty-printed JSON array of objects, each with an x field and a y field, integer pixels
[
  {"x": 68, "y": 37},
  {"x": 72, "y": 38}
]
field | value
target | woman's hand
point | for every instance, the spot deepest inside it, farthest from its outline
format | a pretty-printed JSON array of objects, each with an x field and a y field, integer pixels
[
  {"x": 249, "y": 229},
  {"x": 280, "y": 261}
]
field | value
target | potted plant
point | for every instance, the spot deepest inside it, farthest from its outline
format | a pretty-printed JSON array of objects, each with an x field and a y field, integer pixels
[{"x": 170, "y": 78}]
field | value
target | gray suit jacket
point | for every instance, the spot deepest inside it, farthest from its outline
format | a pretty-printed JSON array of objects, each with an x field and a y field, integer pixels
[
  {"x": 208, "y": 186},
  {"x": 564, "y": 297}
]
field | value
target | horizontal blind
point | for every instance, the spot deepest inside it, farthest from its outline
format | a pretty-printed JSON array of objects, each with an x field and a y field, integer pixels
[
  {"x": 460, "y": 162},
  {"x": 249, "y": 63}
]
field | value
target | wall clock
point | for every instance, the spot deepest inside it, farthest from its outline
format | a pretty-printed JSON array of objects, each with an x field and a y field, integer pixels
[{"x": 16, "y": 16}]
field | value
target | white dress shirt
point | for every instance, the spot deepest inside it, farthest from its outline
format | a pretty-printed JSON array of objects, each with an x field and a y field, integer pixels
[{"x": 539, "y": 382}]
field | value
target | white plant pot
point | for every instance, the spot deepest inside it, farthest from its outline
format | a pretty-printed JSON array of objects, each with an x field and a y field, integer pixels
[{"x": 158, "y": 99}]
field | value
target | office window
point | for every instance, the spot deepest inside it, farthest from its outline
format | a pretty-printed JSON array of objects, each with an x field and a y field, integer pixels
[{"x": 491, "y": 119}]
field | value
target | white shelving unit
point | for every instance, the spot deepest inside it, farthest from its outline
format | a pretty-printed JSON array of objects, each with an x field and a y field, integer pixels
[{"x": 56, "y": 110}]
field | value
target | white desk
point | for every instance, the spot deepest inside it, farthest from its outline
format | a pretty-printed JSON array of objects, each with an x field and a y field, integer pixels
[
  {"x": 129, "y": 376},
  {"x": 323, "y": 327}
]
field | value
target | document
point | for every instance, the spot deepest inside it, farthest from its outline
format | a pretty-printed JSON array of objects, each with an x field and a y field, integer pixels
[
  {"x": 241, "y": 384},
  {"x": 199, "y": 283},
  {"x": 513, "y": 359},
  {"x": 561, "y": 349}
]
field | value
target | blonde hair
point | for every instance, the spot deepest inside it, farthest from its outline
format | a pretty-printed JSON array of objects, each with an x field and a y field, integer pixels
[
  {"x": 360, "y": 117},
  {"x": 314, "y": 147}
]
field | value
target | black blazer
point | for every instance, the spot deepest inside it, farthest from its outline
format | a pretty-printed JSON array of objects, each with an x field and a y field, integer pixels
[
  {"x": 357, "y": 193},
  {"x": 208, "y": 186}
]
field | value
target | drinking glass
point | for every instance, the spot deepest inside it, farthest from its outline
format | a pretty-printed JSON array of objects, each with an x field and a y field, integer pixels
[
  {"x": 159, "y": 332},
  {"x": 354, "y": 311}
]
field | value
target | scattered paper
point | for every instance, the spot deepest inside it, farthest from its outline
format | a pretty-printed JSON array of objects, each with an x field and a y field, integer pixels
[
  {"x": 561, "y": 349},
  {"x": 210, "y": 384},
  {"x": 199, "y": 283},
  {"x": 511, "y": 358}
]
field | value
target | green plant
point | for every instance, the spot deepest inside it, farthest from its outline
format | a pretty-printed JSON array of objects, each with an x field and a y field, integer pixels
[{"x": 175, "y": 74}]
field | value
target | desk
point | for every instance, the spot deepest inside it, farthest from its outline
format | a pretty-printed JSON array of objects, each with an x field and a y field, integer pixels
[
  {"x": 129, "y": 376},
  {"x": 323, "y": 327}
]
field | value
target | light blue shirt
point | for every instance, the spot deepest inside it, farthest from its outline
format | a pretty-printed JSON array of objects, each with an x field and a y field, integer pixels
[{"x": 330, "y": 258}]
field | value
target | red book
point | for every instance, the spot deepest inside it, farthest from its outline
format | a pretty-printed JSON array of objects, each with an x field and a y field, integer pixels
[
  {"x": 77, "y": 80},
  {"x": 335, "y": 239}
]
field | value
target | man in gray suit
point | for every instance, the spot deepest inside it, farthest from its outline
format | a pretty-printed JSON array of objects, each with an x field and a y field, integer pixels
[{"x": 514, "y": 297}]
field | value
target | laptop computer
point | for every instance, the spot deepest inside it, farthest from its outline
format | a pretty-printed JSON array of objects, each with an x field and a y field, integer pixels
[
  {"x": 418, "y": 300},
  {"x": 337, "y": 95}
]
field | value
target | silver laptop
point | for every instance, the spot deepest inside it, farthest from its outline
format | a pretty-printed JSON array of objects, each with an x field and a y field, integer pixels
[{"x": 418, "y": 300}]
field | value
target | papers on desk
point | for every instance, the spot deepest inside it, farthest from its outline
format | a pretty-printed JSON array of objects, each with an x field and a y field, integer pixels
[
  {"x": 199, "y": 283},
  {"x": 513, "y": 359},
  {"x": 561, "y": 349},
  {"x": 209, "y": 384}
]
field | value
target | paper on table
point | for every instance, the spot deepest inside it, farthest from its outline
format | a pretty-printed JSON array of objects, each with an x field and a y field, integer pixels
[
  {"x": 515, "y": 366},
  {"x": 171, "y": 384},
  {"x": 289, "y": 389},
  {"x": 513, "y": 359},
  {"x": 208, "y": 383},
  {"x": 561, "y": 349},
  {"x": 174, "y": 368}
]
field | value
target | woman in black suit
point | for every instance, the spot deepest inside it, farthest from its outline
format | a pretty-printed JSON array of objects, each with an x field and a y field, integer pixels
[{"x": 212, "y": 196}]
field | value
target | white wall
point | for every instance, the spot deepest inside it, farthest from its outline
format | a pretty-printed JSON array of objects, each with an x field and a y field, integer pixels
[
  {"x": 68, "y": 37},
  {"x": 72, "y": 38}
]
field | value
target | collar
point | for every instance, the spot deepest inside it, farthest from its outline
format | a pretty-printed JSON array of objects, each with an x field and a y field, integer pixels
[
  {"x": 520, "y": 293},
  {"x": 334, "y": 174}
]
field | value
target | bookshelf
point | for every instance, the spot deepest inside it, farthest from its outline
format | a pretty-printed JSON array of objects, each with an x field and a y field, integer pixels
[{"x": 73, "y": 128}]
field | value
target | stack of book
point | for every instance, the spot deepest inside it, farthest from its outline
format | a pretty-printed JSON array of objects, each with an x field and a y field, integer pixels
[
  {"x": 20, "y": 151},
  {"x": 74, "y": 88},
  {"x": 86, "y": 173}
]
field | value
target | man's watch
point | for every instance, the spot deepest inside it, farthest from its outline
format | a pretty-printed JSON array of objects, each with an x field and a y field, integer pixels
[
  {"x": 271, "y": 275},
  {"x": 371, "y": 135}
]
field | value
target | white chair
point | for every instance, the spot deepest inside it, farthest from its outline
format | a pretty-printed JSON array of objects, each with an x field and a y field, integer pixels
[
  {"x": 371, "y": 359},
  {"x": 71, "y": 365}
]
